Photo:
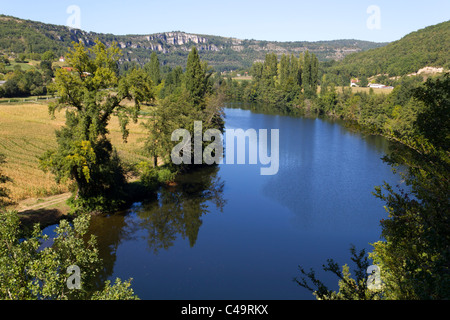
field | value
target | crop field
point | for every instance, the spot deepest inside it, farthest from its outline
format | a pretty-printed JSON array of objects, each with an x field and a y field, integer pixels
[{"x": 27, "y": 131}]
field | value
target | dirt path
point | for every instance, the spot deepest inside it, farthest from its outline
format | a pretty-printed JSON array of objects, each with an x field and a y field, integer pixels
[
  {"x": 41, "y": 203},
  {"x": 46, "y": 211}
]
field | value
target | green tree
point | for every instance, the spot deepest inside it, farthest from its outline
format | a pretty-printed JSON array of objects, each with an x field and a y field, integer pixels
[
  {"x": 48, "y": 56},
  {"x": 91, "y": 94},
  {"x": 194, "y": 100},
  {"x": 284, "y": 70},
  {"x": 433, "y": 121},
  {"x": 153, "y": 68},
  {"x": 310, "y": 74},
  {"x": 414, "y": 256},
  {"x": 349, "y": 288},
  {"x": 173, "y": 82},
  {"x": 363, "y": 82},
  {"x": 270, "y": 69},
  {"x": 29, "y": 271},
  {"x": 196, "y": 77}
]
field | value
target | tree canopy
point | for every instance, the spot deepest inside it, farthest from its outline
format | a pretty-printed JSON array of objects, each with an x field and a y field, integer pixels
[{"x": 91, "y": 93}]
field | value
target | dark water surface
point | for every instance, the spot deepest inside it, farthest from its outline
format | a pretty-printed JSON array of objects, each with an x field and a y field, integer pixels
[{"x": 231, "y": 233}]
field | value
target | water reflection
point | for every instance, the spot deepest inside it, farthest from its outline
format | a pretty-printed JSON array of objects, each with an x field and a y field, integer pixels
[
  {"x": 178, "y": 210},
  {"x": 177, "y": 213}
]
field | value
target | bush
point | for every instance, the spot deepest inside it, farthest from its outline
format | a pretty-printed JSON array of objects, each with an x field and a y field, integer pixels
[{"x": 30, "y": 272}]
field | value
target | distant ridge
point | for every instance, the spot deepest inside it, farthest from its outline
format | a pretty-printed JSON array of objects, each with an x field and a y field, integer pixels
[{"x": 224, "y": 53}]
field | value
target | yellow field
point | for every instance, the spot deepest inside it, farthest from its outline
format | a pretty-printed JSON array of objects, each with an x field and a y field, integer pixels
[
  {"x": 363, "y": 89},
  {"x": 27, "y": 131},
  {"x": 375, "y": 90}
]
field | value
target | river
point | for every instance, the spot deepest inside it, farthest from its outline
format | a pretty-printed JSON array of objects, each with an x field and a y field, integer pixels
[{"x": 231, "y": 233}]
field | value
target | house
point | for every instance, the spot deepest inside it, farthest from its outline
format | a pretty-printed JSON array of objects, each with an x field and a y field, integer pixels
[
  {"x": 354, "y": 83},
  {"x": 2, "y": 83},
  {"x": 61, "y": 59}
]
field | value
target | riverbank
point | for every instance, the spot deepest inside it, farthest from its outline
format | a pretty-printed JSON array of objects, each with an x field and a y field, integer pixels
[{"x": 44, "y": 210}]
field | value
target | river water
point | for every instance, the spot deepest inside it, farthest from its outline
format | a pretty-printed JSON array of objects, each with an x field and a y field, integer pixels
[{"x": 231, "y": 233}]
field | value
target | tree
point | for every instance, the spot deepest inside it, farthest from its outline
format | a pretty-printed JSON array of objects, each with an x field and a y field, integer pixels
[
  {"x": 349, "y": 288},
  {"x": 91, "y": 94},
  {"x": 29, "y": 271},
  {"x": 283, "y": 71},
  {"x": 48, "y": 56},
  {"x": 182, "y": 105},
  {"x": 433, "y": 121},
  {"x": 196, "y": 77},
  {"x": 21, "y": 58},
  {"x": 153, "y": 69},
  {"x": 413, "y": 257},
  {"x": 310, "y": 74},
  {"x": 46, "y": 67},
  {"x": 173, "y": 82},
  {"x": 270, "y": 69},
  {"x": 364, "y": 82}
]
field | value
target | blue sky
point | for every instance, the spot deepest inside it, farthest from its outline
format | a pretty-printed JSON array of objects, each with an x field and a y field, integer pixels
[{"x": 279, "y": 20}]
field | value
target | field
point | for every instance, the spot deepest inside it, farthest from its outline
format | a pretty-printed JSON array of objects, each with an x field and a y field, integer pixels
[
  {"x": 363, "y": 89},
  {"x": 375, "y": 90},
  {"x": 27, "y": 131}
]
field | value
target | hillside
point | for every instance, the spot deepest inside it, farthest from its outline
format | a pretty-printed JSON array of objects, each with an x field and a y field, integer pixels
[
  {"x": 24, "y": 36},
  {"x": 428, "y": 47}
]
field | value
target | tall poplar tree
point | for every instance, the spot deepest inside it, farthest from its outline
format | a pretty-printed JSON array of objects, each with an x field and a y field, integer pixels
[
  {"x": 153, "y": 68},
  {"x": 310, "y": 74},
  {"x": 284, "y": 70},
  {"x": 196, "y": 77},
  {"x": 270, "y": 70}
]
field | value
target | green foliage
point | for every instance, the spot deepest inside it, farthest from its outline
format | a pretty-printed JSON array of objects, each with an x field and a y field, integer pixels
[
  {"x": 25, "y": 36},
  {"x": 414, "y": 258},
  {"x": 349, "y": 288},
  {"x": 283, "y": 84},
  {"x": 188, "y": 97},
  {"x": 48, "y": 55},
  {"x": 119, "y": 291},
  {"x": 30, "y": 270},
  {"x": 414, "y": 254},
  {"x": 433, "y": 120},
  {"x": 153, "y": 177},
  {"x": 91, "y": 94},
  {"x": 153, "y": 69},
  {"x": 426, "y": 47},
  {"x": 196, "y": 77},
  {"x": 25, "y": 83}
]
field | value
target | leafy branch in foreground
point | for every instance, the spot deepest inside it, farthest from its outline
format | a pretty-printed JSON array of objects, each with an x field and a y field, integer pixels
[
  {"x": 349, "y": 288},
  {"x": 32, "y": 270}
]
